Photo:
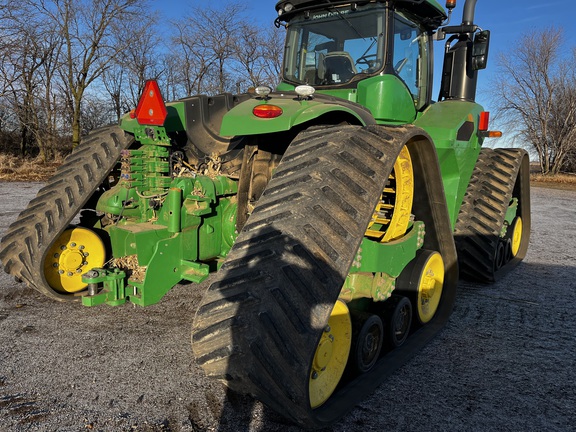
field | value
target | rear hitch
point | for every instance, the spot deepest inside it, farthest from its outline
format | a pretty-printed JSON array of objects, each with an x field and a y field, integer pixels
[{"x": 105, "y": 286}]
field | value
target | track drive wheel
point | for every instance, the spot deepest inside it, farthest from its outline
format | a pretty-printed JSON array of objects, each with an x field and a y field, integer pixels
[
  {"x": 331, "y": 355},
  {"x": 422, "y": 281},
  {"x": 76, "y": 251},
  {"x": 392, "y": 214}
]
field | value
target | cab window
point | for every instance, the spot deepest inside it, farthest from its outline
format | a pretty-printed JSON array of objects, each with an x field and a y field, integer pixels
[{"x": 411, "y": 56}]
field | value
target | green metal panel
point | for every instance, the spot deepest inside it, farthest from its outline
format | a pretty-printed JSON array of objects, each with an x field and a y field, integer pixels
[
  {"x": 453, "y": 125},
  {"x": 391, "y": 257},
  {"x": 240, "y": 120},
  {"x": 388, "y": 98}
]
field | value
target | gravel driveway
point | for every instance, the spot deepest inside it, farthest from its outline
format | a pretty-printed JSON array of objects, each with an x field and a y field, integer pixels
[{"x": 506, "y": 360}]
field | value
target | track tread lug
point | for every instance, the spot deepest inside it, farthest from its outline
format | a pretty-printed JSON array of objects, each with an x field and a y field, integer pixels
[{"x": 483, "y": 211}]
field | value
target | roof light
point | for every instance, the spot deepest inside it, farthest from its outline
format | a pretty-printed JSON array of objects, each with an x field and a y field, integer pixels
[
  {"x": 305, "y": 90},
  {"x": 263, "y": 91},
  {"x": 288, "y": 7},
  {"x": 151, "y": 109},
  {"x": 450, "y": 4},
  {"x": 267, "y": 111}
]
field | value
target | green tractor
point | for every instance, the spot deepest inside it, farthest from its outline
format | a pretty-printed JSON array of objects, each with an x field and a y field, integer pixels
[{"x": 338, "y": 211}]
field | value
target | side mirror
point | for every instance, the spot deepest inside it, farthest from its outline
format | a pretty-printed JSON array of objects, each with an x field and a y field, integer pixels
[{"x": 480, "y": 50}]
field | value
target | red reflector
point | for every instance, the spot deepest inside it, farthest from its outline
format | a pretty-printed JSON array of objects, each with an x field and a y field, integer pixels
[
  {"x": 484, "y": 120},
  {"x": 267, "y": 111},
  {"x": 151, "y": 109}
]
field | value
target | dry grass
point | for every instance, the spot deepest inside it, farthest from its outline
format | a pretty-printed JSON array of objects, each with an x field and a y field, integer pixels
[
  {"x": 559, "y": 181},
  {"x": 559, "y": 178},
  {"x": 14, "y": 168}
]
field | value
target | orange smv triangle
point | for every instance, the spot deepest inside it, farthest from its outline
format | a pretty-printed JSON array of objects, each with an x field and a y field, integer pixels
[{"x": 151, "y": 109}]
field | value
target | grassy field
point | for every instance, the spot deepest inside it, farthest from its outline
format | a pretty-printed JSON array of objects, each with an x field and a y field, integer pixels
[{"x": 13, "y": 168}]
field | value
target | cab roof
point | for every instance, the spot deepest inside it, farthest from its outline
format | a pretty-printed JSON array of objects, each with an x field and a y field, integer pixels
[{"x": 430, "y": 12}]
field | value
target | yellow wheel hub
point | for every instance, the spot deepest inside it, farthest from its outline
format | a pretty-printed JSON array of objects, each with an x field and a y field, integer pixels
[
  {"x": 516, "y": 236},
  {"x": 430, "y": 287},
  {"x": 331, "y": 355},
  {"x": 75, "y": 252},
  {"x": 392, "y": 214}
]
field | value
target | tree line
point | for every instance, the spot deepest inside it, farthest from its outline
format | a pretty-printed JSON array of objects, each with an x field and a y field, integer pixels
[
  {"x": 70, "y": 66},
  {"x": 535, "y": 97}
]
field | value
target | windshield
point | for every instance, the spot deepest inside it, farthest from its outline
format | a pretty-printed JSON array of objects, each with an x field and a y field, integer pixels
[{"x": 333, "y": 46}]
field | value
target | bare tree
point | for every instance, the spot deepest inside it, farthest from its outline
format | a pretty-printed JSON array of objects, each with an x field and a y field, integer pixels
[
  {"x": 207, "y": 40},
  {"x": 189, "y": 61},
  {"x": 536, "y": 95},
  {"x": 218, "y": 50},
  {"x": 67, "y": 66},
  {"x": 137, "y": 62},
  {"x": 258, "y": 52},
  {"x": 29, "y": 61},
  {"x": 90, "y": 44},
  {"x": 272, "y": 53}
]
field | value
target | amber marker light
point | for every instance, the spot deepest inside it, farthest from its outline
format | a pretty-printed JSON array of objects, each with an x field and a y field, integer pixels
[
  {"x": 267, "y": 111},
  {"x": 483, "y": 124}
]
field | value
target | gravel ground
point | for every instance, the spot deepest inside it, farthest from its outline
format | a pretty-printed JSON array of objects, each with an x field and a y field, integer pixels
[{"x": 505, "y": 361}]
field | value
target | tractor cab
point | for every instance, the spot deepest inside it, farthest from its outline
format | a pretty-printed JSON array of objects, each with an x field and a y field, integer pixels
[{"x": 337, "y": 45}]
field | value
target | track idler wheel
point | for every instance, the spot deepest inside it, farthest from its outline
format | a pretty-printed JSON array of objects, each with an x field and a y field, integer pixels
[
  {"x": 422, "y": 281},
  {"x": 516, "y": 236},
  {"x": 399, "y": 320},
  {"x": 76, "y": 251},
  {"x": 500, "y": 258},
  {"x": 367, "y": 341},
  {"x": 331, "y": 355}
]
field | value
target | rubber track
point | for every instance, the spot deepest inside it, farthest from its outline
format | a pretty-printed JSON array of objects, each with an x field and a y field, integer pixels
[
  {"x": 23, "y": 247},
  {"x": 260, "y": 321},
  {"x": 495, "y": 180}
]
